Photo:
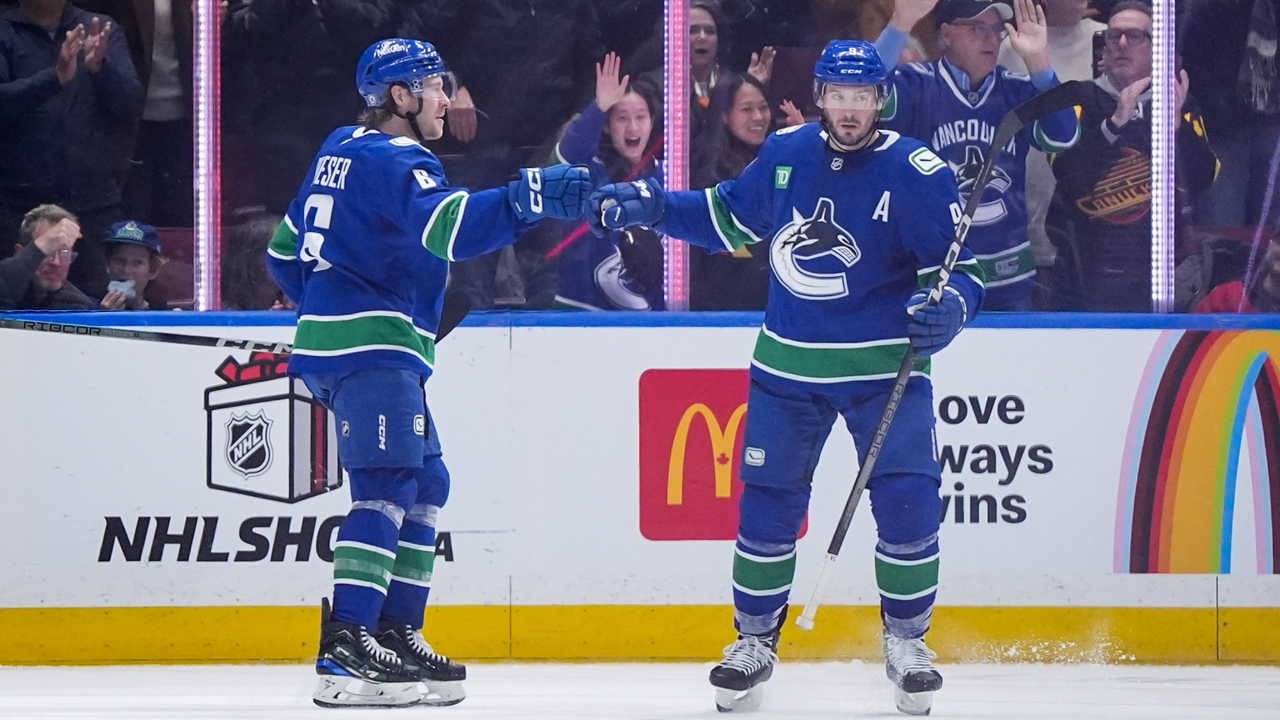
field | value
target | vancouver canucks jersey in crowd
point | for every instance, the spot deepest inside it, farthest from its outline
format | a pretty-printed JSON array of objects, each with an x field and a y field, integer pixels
[
  {"x": 593, "y": 275},
  {"x": 853, "y": 236},
  {"x": 928, "y": 102},
  {"x": 363, "y": 251}
]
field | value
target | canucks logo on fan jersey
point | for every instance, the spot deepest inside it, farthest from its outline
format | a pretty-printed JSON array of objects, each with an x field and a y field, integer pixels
[
  {"x": 991, "y": 211},
  {"x": 811, "y": 255}
]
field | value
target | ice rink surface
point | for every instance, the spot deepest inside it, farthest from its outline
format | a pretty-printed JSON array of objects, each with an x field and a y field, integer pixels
[{"x": 655, "y": 691}]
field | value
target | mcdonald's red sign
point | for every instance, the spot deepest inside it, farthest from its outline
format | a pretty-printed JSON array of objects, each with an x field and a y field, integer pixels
[{"x": 691, "y": 424}]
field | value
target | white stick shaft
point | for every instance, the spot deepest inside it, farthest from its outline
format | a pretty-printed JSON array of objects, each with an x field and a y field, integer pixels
[{"x": 805, "y": 621}]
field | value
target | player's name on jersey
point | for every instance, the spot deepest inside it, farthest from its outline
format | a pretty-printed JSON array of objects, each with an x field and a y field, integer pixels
[{"x": 331, "y": 172}]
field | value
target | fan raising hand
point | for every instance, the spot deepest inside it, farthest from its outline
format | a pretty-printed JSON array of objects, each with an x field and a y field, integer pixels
[
  {"x": 1030, "y": 37},
  {"x": 609, "y": 89}
]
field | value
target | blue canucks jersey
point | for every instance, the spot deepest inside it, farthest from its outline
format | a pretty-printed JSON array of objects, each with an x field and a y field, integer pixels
[
  {"x": 927, "y": 102},
  {"x": 853, "y": 236},
  {"x": 364, "y": 251}
]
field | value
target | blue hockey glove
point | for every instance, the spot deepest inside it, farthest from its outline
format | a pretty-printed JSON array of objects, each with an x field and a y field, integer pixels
[
  {"x": 559, "y": 191},
  {"x": 933, "y": 328},
  {"x": 620, "y": 205}
]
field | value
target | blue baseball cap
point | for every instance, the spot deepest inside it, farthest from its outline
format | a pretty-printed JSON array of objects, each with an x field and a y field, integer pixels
[{"x": 132, "y": 231}]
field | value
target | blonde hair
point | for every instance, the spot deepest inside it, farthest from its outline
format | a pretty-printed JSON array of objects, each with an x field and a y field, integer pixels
[{"x": 52, "y": 214}]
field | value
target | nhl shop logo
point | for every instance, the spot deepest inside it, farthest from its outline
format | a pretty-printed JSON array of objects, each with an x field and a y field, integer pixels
[{"x": 248, "y": 450}]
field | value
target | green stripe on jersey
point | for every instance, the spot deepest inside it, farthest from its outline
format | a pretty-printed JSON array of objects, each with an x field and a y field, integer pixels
[
  {"x": 442, "y": 228},
  {"x": 731, "y": 232},
  {"x": 906, "y": 579},
  {"x": 928, "y": 276},
  {"x": 362, "y": 332},
  {"x": 756, "y": 575},
  {"x": 284, "y": 244},
  {"x": 1007, "y": 267},
  {"x": 1050, "y": 145},
  {"x": 832, "y": 362},
  {"x": 362, "y": 565},
  {"x": 414, "y": 564}
]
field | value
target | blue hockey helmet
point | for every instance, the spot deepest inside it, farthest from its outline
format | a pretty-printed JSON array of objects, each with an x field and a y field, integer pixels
[
  {"x": 399, "y": 61},
  {"x": 850, "y": 62}
]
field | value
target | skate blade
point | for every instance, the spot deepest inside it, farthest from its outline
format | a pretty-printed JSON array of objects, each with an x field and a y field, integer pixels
[
  {"x": 739, "y": 700},
  {"x": 913, "y": 703},
  {"x": 442, "y": 694},
  {"x": 336, "y": 691}
]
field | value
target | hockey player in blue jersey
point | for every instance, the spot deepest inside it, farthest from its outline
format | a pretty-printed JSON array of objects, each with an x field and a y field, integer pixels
[
  {"x": 364, "y": 254},
  {"x": 860, "y": 218},
  {"x": 954, "y": 106}
]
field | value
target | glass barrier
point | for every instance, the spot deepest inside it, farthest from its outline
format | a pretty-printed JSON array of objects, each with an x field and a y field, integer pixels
[
  {"x": 583, "y": 81},
  {"x": 96, "y": 129}
]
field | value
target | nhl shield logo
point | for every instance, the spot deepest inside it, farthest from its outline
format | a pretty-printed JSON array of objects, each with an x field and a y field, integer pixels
[{"x": 248, "y": 449}]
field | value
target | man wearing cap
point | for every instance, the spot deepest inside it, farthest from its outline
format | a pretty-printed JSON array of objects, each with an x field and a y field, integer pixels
[
  {"x": 35, "y": 277},
  {"x": 954, "y": 106},
  {"x": 133, "y": 261}
]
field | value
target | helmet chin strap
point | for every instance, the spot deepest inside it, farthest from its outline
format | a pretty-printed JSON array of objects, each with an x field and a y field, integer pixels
[{"x": 412, "y": 117}]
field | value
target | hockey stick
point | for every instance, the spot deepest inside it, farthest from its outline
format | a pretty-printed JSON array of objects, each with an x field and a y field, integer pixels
[
  {"x": 1061, "y": 97},
  {"x": 456, "y": 307}
]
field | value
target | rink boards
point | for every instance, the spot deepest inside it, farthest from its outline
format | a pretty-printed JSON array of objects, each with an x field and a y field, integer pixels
[{"x": 1111, "y": 493}]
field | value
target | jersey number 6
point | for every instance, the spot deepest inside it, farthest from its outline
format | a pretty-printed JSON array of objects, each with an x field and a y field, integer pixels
[{"x": 311, "y": 240}]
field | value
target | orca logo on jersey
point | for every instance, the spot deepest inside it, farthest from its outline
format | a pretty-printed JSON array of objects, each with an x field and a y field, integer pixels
[
  {"x": 811, "y": 255},
  {"x": 992, "y": 211}
]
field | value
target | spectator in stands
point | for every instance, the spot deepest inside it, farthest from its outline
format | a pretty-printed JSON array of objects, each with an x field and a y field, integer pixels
[
  {"x": 738, "y": 123},
  {"x": 1229, "y": 55},
  {"x": 133, "y": 261},
  {"x": 618, "y": 136},
  {"x": 35, "y": 277},
  {"x": 1264, "y": 289},
  {"x": 1071, "y": 35},
  {"x": 159, "y": 189},
  {"x": 1101, "y": 216},
  {"x": 246, "y": 284},
  {"x": 300, "y": 55},
  {"x": 66, "y": 81},
  {"x": 954, "y": 105},
  {"x": 524, "y": 69}
]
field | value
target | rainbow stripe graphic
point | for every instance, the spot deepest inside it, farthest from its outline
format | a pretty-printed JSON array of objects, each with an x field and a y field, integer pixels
[{"x": 1205, "y": 398}]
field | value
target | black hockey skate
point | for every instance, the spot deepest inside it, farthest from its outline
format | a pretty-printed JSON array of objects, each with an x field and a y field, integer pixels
[
  {"x": 747, "y": 663},
  {"x": 909, "y": 664},
  {"x": 441, "y": 676},
  {"x": 355, "y": 671}
]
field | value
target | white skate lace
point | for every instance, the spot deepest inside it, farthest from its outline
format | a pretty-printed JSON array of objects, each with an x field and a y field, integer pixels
[
  {"x": 423, "y": 648},
  {"x": 379, "y": 653},
  {"x": 909, "y": 655},
  {"x": 748, "y": 654}
]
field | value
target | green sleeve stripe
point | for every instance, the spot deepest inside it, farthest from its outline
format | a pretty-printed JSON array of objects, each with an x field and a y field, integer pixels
[
  {"x": 1050, "y": 145},
  {"x": 559, "y": 158},
  {"x": 972, "y": 268},
  {"x": 284, "y": 244},
  {"x": 732, "y": 233},
  {"x": 442, "y": 228}
]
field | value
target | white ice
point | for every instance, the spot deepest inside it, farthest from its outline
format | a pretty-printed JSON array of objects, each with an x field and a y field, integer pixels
[{"x": 657, "y": 691}]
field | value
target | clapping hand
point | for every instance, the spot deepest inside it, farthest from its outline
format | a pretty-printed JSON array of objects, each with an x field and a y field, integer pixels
[
  {"x": 792, "y": 113},
  {"x": 69, "y": 55},
  {"x": 95, "y": 45},
  {"x": 1030, "y": 38},
  {"x": 609, "y": 89},
  {"x": 1127, "y": 104}
]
